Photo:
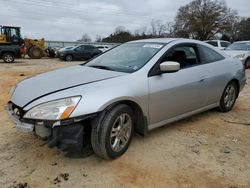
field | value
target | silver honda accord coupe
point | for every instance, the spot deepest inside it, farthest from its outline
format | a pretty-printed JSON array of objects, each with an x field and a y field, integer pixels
[{"x": 135, "y": 87}]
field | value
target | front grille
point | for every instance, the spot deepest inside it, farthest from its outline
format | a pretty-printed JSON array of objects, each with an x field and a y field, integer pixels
[{"x": 17, "y": 111}]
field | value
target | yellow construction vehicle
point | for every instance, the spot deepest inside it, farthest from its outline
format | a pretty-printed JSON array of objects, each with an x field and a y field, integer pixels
[{"x": 34, "y": 48}]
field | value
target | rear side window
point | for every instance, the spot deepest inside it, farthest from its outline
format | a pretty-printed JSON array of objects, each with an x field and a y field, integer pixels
[
  {"x": 208, "y": 55},
  {"x": 89, "y": 47},
  {"x": 225, "y": 44},
  {"x": 213, "y": 43}
]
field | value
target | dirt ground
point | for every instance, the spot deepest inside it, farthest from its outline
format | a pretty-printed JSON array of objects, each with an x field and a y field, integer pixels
[{"x": 211, "y": 149}]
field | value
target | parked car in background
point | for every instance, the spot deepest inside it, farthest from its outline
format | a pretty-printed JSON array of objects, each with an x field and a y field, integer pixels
[
  {"x": 9, "y": 52},
  {"x": 135, "y": 87},
  {"x": 103, "y": 48},
  {"x": 240, "y": 50},
  {"x": 220, "y": 44},
  {"x": 78, "y": 52}
]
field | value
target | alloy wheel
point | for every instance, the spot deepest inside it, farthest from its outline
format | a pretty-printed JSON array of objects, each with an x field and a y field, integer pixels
[
  {"x": 120, "y": 132},
  {"x": 8, "y": 58},
  {"x": 230, "y": 96}
]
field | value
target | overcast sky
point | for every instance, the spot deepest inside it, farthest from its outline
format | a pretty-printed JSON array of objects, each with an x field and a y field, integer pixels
[{"x": 67, "y": 20}]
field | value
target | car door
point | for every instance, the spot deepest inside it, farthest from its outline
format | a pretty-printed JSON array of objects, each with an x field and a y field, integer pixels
[
  {"x": 78, "y": 52},
  {"x": 174, "y": 94},
  {"x": 88, "y": 52}
]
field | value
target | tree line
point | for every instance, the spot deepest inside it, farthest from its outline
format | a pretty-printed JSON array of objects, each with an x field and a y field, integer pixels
[{"x": 199, "y": 19}]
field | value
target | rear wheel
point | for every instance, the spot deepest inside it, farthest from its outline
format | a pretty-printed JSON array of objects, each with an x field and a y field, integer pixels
[
  {"x": 228, "y": 97},
  {"x": 112, "y": 133},
  {"x": 8, "y": 57}
]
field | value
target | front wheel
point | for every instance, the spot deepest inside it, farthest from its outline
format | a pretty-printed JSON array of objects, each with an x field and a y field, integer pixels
[
  {"x": 112, "y": 132},
  {"x": 228, "y": 97},
  {"x": 69, "y": 58}
]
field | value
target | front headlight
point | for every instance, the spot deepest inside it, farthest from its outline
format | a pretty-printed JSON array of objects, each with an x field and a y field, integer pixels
[
  {"x": 54, "y": 110},
  {"x": 240, "y": 56}
]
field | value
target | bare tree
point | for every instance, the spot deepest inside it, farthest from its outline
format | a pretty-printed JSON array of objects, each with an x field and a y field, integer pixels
[
  {"x": 153, "y": 27},
  {"x": 203, "y": 19},
  {"x": 170, "y": 29},
  {"x": 119, "y": 29},
  {"x": 161, "y": 28},
  {"x": 141, "y": 31},
  {"x": 85, "y": 38},
  {"x": 242, "y": 29},
  {"x": 98, "y": 38},
  {"x": 157, "y": 28}
]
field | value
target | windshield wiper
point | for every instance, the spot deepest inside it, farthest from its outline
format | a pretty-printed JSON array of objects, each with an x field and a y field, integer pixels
[{"x": 101, "y": 67}]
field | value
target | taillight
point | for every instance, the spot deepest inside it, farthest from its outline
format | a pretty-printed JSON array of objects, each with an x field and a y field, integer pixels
[{"x": 21, "y": 50}]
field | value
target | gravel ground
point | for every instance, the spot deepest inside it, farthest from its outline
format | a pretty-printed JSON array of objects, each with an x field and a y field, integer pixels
[{"x": 211, "y": 149}]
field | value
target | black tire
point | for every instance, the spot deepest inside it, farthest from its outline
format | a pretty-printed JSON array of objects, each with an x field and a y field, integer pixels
[
  {"x": 228, "y": 97},
  {"x": 8, "y": 57},
  {"x": 247, "y": 63},
  {"x": 35, "y": 52},
  {"x": 101, "y": 140},
  {"x": 68, "y": 57}
]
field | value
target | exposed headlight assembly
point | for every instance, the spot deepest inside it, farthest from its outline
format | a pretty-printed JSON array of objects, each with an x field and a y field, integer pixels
[
  {"x": 54, "y": 110},
  {"x": 240, "y": 56}
]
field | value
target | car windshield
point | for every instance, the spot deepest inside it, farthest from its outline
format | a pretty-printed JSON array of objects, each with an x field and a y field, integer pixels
[
  {"x": 128, "y": 57},
  {"x": 239, "y": 46}
]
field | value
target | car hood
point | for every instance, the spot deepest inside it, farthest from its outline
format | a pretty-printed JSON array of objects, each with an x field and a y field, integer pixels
[
  {"x": 41, "y": 85},
  {"x": 233, "y": 53}
]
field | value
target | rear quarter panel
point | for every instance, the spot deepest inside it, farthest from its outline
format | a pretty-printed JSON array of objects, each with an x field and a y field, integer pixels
[{"x": 220, "y": 73}]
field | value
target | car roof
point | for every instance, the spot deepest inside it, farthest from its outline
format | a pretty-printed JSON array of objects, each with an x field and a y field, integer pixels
[
  {"x": 160, "y": 40},
  {"x": 184, "y": 40},
  {"x": 246, "y": 41},
  {"x": 84, "y": 45},
  {"x": 216, "y": 41},
  {"x": 167, "y": 40}
]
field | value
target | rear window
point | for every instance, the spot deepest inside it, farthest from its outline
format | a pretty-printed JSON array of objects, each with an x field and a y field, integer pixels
[
  {"x": 213, "y": 43},
  {"x": 225, "y": 44}
]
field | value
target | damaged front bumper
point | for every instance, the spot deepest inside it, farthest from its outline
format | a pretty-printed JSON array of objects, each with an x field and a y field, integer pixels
[
  {"x": 20, "y": 126},
  {"x": 69, "y": 135}
]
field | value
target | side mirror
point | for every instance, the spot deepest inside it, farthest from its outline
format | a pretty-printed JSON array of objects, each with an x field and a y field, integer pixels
[{"x": 169, "y": 66}]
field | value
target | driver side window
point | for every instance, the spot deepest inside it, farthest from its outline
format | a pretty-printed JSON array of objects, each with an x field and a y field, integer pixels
[{"x": 185, "y": 55}]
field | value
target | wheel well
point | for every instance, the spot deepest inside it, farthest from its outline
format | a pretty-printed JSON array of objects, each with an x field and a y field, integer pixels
[
  {"x": 237, "y": 84},
  {"x": 140, "y": 119},
  {"x": 245, "y": 63},
  {"x": 69, "y": 54},
  {"x": 4, "y": 52}
]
